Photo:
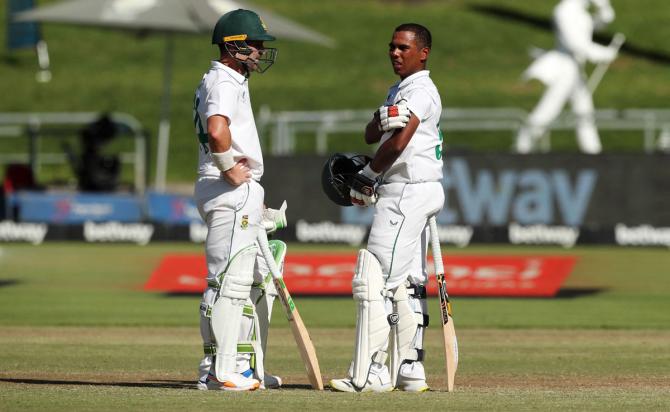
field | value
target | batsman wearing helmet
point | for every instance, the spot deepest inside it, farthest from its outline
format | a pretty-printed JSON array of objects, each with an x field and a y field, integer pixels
[
  {"x": 236, "y": 306},
  {"x": 403, "y": 183}
]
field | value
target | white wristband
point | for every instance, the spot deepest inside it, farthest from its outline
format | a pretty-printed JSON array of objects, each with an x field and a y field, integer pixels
[
  {"x": 368, "y": 172},
  {"x": 224, "y": 161}
]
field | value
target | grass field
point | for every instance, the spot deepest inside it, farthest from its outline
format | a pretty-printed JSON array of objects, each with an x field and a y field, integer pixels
[{"x": 78, "y": 333}]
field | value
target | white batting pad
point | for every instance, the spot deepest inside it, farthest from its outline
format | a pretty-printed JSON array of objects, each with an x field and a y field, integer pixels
[
  {"x": 235, "y": 285},
  {"x": 372, "y": 328}
]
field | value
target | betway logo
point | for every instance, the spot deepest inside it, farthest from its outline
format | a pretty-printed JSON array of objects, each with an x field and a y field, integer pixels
[
  {"x": 91, "y": 209},
  {"x": 330, "y": 232},
  {"x": 530, "y": 196},
  {"x": 118, "y": 232},
  {"x": 23, "y": 232},
  {"x": 644, "y": 235},
  {"x": 486, "y": 197},
  {"x": 540, "y": 234}
]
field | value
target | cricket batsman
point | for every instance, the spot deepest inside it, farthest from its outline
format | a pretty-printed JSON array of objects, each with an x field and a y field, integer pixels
[
  {"x": 236, "y": 306},
  {"x": 403, "y": 183}
]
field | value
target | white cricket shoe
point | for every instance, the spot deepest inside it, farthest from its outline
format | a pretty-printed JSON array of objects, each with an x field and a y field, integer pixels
[
  {"x": 378, "y": 381},
  {"x": 269, "y": 381},
  {"x": 232, "y": 382},
  {"x": 412, "y": 378},
  {"x": 412, "y": 385},
  {"x": 202, "y": 384},
  {"x": 345, "y": 385}
]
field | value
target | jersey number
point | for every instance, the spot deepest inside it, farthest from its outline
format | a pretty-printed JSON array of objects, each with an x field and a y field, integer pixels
[
  {"x": 438, "y": 148},
  {"x": 199, "y": 130}
]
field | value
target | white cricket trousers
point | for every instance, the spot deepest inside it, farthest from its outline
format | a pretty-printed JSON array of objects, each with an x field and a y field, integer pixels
[
  {"x": 233, "y": 217},
  {"x": 399, "y": 233}
]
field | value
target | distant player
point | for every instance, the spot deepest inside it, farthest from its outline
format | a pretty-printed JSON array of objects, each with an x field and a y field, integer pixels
[
  {"x": 230, "y": 201},
  {"x": 390, "y": 277},
  {"x": 562, "y": 71}
]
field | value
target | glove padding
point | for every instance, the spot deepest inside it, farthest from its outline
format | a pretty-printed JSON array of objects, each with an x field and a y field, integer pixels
[
  {"x": 274, "y": 219},
  {"x": 393, "y": 117},
  {"x": 363, "y": 187}
]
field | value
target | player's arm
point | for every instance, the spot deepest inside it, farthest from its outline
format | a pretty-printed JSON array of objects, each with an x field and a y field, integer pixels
[
  {"x": 373, "y": 133},
  {"x": 391, "y": 149},
  {"x": 220, "y": 144},
  {"x": 363, "y": 184}
]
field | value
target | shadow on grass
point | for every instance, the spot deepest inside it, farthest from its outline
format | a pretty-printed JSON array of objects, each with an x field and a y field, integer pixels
[
  {"x": 149, "y": 384},
  {"x": 545, "y": 23},
  {"x": 160, "y": 384},
  {"x": 8, "y": 282},
  {"x": 565, "y": 293}
]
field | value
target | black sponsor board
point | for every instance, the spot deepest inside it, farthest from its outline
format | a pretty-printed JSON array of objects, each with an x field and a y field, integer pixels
[
  {"x": 144, "y": 233},
  {"x": 488, "y": 190},
  {"x": 554, "y": 199}
]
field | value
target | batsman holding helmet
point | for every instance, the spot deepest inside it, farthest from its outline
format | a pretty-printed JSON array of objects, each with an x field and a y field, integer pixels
[
  {"x": 403, "y": 182},
  {"x": 237, "y": 304}
]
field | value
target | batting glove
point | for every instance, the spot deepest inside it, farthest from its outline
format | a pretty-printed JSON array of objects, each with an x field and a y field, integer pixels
[
  {"x": 363, "y": 187},
  {"x": 274, "y": 219},
  {"x": 393, "y": 117}
]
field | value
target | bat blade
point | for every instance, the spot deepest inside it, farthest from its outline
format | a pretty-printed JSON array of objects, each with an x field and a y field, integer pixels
[
  {"x": 448, "y": 330},
  {"x": 302, "y": 339}
]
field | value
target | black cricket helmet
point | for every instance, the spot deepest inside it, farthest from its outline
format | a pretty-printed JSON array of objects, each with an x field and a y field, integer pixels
[{"x": 337, "y": 174}]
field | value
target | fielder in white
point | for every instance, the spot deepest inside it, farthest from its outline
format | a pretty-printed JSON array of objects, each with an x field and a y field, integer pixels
[
  {"x": 237, "y": 304},
  {"x": 562, "y": 71},
  {"x": 390, "y": 277}
]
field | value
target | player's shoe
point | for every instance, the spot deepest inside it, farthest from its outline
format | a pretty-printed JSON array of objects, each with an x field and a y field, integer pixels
[
  {"x": 232, "y": 382},
  {"x": 202, "y": 384},
  {"x": 412, "y": 378},
  {"x": 268, "y": 382},
  {"x": 374, "y": 385},
  {"x": 412, "y": 385}
]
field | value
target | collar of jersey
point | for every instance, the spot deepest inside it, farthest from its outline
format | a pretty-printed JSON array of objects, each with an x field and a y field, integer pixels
[
  {"x": 232, "y": 73},
  {"x": 408, "y": 80}
]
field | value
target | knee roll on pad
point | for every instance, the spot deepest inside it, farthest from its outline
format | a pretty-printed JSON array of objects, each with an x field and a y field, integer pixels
[
  {"x": 372, "y": 327},
  {"x": 235, "y": 282}
]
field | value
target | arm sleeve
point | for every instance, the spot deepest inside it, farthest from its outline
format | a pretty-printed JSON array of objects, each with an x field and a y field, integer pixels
[
  {"x": 420, "y": 103},
  {"x": 222, "y": 100}
]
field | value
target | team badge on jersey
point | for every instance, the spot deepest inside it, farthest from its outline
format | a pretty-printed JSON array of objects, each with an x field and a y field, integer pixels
[{"x": 245, "y": 221}]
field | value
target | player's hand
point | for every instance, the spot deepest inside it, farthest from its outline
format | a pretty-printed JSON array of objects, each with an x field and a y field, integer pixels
[
  {"x": 274, "y": 219},
  {"x": 363, "y": 187},
  {"x": 238, "y": 174},
  {"x": 393, "y": 117}
]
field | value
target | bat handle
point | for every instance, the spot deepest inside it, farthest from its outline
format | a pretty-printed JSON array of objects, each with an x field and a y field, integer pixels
[
  {"x": 435, "y": 243},
  {"x": 267, "y": 254}
]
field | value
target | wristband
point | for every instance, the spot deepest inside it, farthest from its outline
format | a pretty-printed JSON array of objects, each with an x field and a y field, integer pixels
[
  {"x": 224, "y": 161},
  {"x": 368, "y": 172}
]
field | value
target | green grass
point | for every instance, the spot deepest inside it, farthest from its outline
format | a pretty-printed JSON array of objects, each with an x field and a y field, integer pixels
[
  {"x": 78, "y": 333},
  {"x": 476, "y": 62}
]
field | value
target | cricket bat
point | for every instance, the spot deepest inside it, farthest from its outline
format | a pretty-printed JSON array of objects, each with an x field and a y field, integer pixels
[
  {"x": 450, "y": 341},
  {"x": 305, "y": 345},
  {"x": 598, "y": 73}
]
